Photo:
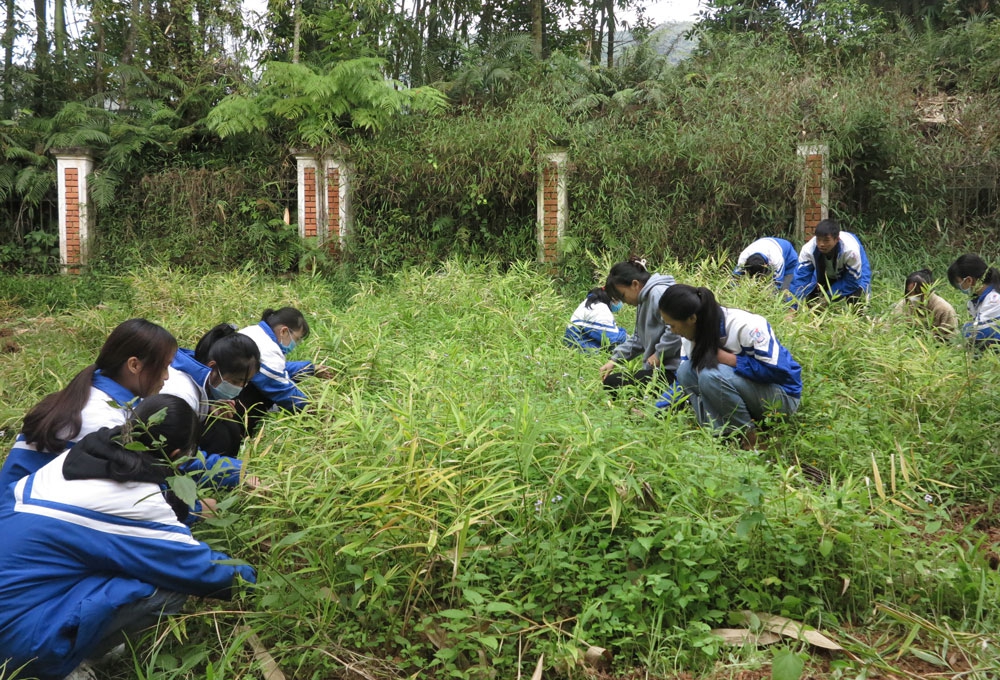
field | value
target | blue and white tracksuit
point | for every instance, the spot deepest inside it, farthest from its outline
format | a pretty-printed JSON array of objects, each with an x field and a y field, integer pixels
[
  {"x": 188, "y": 379},
  {"x": 766, "y": 377},
  {"x": 276, "y": 379},
  {"x": 781, "y": 256},
  {"x": 984, "y": 329},
  {"x": 76, "y": 551},
  {"x": 108, "y": 406},
  {"x": 594, "y": 327},
  {"x": 852, "y": 274}
]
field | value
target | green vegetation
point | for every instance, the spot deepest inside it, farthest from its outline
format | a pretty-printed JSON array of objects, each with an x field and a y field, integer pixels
[{"x": 463, "y": 498}]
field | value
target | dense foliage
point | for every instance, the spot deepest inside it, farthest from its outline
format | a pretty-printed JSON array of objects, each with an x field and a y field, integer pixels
[
  {"x": 464, "y": 498},
  {"x": 194, "y": 165}
]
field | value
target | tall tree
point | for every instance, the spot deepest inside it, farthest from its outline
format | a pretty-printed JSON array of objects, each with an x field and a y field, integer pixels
[
  {"x": 9, "y": 35},
  {"x": 41, "y": 56},
  {"x": 537, "y": 27}
]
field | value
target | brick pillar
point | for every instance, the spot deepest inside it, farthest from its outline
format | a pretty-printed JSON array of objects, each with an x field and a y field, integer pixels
[
  {"x": 553, "y": 205},
  {"x": 312, "y": 203},
  {"x": 75, "y": 217},
  {"x": 813, "y": 203},
  {"x": 338, "y": 204}
]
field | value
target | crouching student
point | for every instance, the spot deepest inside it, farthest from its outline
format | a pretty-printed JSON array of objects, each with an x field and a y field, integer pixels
[
  {"x": 652, "y": 340},
  {"x": 593, "y": 323},
  {"x": 833, "y": 266},
  {"x": 209, "y": 379},
  {"x": 276, "y": 385},
  {"x": 734, "y": 371},
  {"x": 981, "y": 282},
  {"x": 131, "y": 365},
  {"x": 924, "y": 308},
  {"x": 95, "y": 549},
  {"x": 771, "y": 257}
]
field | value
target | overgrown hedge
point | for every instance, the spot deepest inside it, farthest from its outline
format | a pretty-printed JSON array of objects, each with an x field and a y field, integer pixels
[{"x": 665, "y": 160}]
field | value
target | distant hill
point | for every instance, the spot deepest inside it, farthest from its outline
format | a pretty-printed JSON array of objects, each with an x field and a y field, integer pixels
[{"x": 667, "y": 39}]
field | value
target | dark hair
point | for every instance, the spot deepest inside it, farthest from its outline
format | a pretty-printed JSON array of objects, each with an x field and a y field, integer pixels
[
  {"x": 56, "y": 420},
  {"x": 921, "y": 279},
  {"x": 233, "y": 352},
  {"x": 286, "y": 316},
  {"x": 828, "y": 227},
  {"x": 178, "y": 428},
  {"x": 681, "y": 302},
  {"x": 756, "y": 265},
  {"x": 598, "y": 295},
  {"x": 624, "y": 273},
  {"x": 974, "y": 266}
]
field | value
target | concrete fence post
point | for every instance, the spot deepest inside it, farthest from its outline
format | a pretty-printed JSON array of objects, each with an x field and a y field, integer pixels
[
  {"x": 311, "y": 195},
  {"x": 813, "y": 204},
  {"x": 76, "y": 218},
  {"x": 339, "y": 174},
  {"x": 553, "y": 205}
]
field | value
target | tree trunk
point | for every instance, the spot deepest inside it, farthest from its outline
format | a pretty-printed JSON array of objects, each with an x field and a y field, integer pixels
[
  {"x": 41, "y": 57},
  {"x": 537, "y": 27},
  {"x": 297, "y": 18},
  {"x": 611, "y": 33},
  {"x": 59, "y": 29},
  {"x": 132, "y": 37},
  {"x": 8, "y": 60}
]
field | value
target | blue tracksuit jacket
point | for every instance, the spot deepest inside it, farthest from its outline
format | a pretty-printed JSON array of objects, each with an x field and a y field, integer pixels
[
  {"x": 853, "y": 273},
  {"x": 107, "y": 407},
  {"x": 76, "y": 551},
  {"x": 276, "y": 378}
]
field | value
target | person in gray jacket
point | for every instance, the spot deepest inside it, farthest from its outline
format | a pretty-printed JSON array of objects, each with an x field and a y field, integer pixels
[{"x": 652, "y": 340}]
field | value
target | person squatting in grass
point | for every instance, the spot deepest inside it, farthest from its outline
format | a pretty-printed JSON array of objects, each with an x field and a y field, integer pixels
[
  {"x": 833, "y": 266},
  {"x": 131, "y": 365},
  {"x": 981, "y": 282},
  {"x": 652, "y": 340},
  {"x": 209, "y": 379},
  {"x": 773, "y": 257},
  {"x": 95, "y": 549},
  {"x": 275, "y": 385},
  {"x": 924, "y": 308},
  {"x": 593, "y": 326},
  {"x": 733, "y": 369}
]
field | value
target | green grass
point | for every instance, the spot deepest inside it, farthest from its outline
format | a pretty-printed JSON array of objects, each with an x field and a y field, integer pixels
[{"x": 464, "y": 499}]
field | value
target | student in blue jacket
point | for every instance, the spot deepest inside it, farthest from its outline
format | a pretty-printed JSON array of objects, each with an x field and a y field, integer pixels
[
  {"x": 733, "y": 369},
  {"x": 981, "y": 282},
  {"x": 95, "y": 549},
  {"x": 631, "y": 283},
  {"x": 209, "y": 379},
  {"x": 131, "y": 365},
  {"x": 775, "y": 258},
  {"x": 833, "y": 265},
  {"x": 593, "y": 326},
  {"x": 276, "y": 335}
]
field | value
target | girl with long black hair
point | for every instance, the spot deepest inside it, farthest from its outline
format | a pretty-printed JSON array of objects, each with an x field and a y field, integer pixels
[{"x": 733, "y": 369}]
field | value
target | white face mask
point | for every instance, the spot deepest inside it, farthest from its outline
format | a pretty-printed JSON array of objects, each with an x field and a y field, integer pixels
[
  {"x": 226, "y": 390},
  {"x": 913, "y": 298}
]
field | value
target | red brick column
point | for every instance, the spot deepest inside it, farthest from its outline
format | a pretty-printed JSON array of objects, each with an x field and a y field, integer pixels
[
  {"x": 338, "y": 204},
  {"x": 814, "y": 194},
  {"x": 553, "y": 205},
  {"x": 311, "y": 195},
  {"x": 75, "y": 220}
]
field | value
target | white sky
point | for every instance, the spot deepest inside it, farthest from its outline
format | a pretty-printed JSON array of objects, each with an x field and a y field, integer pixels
[{"x": 661, "y": 11}]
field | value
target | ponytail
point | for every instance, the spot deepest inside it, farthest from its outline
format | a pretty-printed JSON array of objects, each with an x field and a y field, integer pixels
[
  {"x": 624, "y": 273},
  {"x": 286, "y": 316},
  {"x": 234, "y": 354},
  {"x": 56, "y": 420},
  {"x": 598, "y": 296},
  {"x": 972, "y": 265},
  {"x": 681, "y": 302}
]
